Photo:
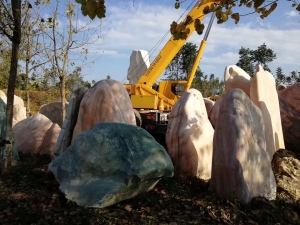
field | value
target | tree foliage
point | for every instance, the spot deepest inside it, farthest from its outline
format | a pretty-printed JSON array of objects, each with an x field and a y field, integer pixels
[
  {"x": 248, "y": 58},
  {"x": 182, "y": 63},
  {"x": 288, "y": 80},
  {"x": 225, "y": 9}
]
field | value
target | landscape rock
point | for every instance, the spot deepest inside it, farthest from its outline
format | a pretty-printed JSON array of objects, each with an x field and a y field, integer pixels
[
  {"x": 289, "y": 101},
  {"x": 189, "y": 136},
  {"x": 106, "y": 101},
  {"x": 66, "y": 133},
  {"x": 109, "y": 163},
  {"x": 35, "y": 135},
  {"x": 139, "y": 63},
  {"x": 241, "y": 167},
  {"x": 214, "y": 112},
  {"x": 287, "y": 173},
  {"x": 263, "y": 94},
  {"x": 2, "y": 96},
  {"x": 53, "y": 111},
  {"x": 281, "y": 87},
  {"x": 236, "y": 77},
  {"x": 208, "y": 104}
]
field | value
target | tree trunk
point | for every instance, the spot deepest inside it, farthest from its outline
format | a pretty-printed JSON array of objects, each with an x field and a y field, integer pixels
[
  {"x": 63, "y": 96},
  {"x": 16, "y": 39}
]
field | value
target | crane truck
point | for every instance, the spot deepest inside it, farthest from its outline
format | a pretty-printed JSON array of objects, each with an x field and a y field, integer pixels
[{"x": 152, "y": 106}]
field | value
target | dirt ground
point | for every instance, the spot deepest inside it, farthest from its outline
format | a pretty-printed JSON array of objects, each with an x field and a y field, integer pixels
[{"x": 30, "y": 195}]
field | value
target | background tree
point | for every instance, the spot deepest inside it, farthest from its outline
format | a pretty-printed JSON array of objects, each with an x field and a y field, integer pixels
[
  {"x": 249, "y": 58},
  {"x": 280, "y": 77},
  {"x": 10, "y": 26},
  {"x": 181, "y": 65},
  {"x": 76, "y": 77},
  {"x": 245, "y": 61}
]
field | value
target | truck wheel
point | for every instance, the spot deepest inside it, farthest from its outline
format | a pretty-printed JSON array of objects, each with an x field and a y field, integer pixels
[{"x": 137, "y": 118}]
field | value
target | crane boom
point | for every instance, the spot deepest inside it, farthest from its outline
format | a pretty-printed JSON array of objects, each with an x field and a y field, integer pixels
[{"x": 172, "y": 47}]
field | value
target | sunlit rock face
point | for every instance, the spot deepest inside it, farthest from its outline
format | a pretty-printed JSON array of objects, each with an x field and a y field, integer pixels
[
  {"x": 264, "y": 95},
  {"x": 235, "y": 77},
  {"x": 139, "y": 63},
  {"x": 35, "y": 135},
  {"x": 189, "y": 136},
  {"x": 289, "y": 100},
  {"x": 19, "y": 111},
  {"x": 106, "y": 101},
  {"x": 241, "y": 167}
]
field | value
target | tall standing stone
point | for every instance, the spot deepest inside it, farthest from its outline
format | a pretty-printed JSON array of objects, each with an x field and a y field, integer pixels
[
  {"x": 263, "y": 94},
  {"x": 189, "y": 136},
  {"x": 241, "y": 167},
  {"x": 66, "y": 133},
  {"x": 106, "y": 101},
  {"x": 139, "y": 63},
  {"x": 236, "y": 77}
]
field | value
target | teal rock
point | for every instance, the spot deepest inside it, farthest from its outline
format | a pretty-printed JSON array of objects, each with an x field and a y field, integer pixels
[
  {"x": 109, "y": 163},
  {"x": 2, "y": 119}
]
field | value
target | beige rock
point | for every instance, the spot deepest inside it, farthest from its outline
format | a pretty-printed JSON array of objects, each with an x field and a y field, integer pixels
[
  {"x": 241, "y": 167},
  {"x": 53, "y": 111},
  {"x": 208, "y": 104},
  {"x": 2, "y": 95},
  {"x": 280, "y": 87},
  {"x": 214, "y": 112},
  {"x": 30, "y": 134},
  {"x": 235, "y": 77},
  {"x": 106, "y": 101},
  {"x": 139, "y": 63},
  {"x": 189, "y": 136},
  {"x": 264, "y": 95}
]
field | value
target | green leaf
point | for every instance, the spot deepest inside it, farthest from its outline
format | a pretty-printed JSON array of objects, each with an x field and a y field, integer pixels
[
  {"x": 177, "y": 5},
  {"x": 80, "y": 1},
  {"x": 91, "y": 7},
  {"x": 84, "y": 10}
]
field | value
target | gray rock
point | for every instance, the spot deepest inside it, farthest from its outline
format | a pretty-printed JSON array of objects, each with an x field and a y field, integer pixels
[
  {"x": 109, "y": 163},
  {"x": 53, "y": 111},
  {"x": 66, "y": 132},
  {"x": 241, "y": 167}
]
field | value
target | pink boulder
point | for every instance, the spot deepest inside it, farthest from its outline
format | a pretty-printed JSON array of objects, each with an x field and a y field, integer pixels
[
  {"x": 214, "y": 112},
  {"x": 241, "y": 167},
  {"x": 36, "y": 135},
  {"x": 209, "y": 104},
  {"x": 289, "y": 101},
  {"x": 189, "y": 136},
  {"x": 106, "y": 101}
]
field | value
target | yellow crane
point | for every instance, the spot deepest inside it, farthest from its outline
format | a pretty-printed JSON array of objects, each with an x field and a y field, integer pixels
[{"x": 153, "y": 105}]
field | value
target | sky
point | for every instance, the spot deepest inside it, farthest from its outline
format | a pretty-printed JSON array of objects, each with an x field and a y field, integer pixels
[{"x": 140, "y": 24}]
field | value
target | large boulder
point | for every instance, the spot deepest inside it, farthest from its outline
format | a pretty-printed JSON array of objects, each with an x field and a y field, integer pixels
[
  {"x": 189, "y": 136},
  {"x": 289, "y": 101},
  {"x": 287, "y": 173},
  {"x": 106, "y": 101},
  {"x": 109, "y": 163},
  {"x": 19, "y": 111},
  {"x": 53, "y": 111},
  {"x": 236, "y": 77},
  {"x": 263, "y": 94},
  {"x": 241, "y": 167},
  {"x": 66, "y": 133},
  {"x": 139, "y": 63},
  {"x": 36, "y": 135},
  {"x": 214, "y": 112}
]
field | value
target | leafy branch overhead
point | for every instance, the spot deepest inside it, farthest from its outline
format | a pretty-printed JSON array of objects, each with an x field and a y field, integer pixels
[
  {"x": 224, "y": 10},
  {"x": 93, "y": 8}
]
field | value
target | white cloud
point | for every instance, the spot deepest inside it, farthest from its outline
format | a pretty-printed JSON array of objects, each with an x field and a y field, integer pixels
[
  {"x": 142, "y": 26},
  {"x": 292, "y": 13}
]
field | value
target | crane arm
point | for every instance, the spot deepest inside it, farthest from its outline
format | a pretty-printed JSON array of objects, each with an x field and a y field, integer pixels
[{"x": 172, "y": 47}]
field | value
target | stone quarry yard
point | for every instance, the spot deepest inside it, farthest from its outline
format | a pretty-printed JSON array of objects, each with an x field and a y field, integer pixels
[{"x": 29, "y": 194}]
